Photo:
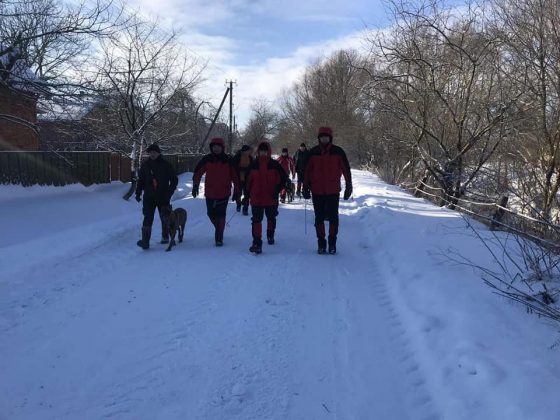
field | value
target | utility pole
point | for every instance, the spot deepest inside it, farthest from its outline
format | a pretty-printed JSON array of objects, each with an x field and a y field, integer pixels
[
  {"x": 215, "y": 118},
  {"x": 230, "y": 132}
]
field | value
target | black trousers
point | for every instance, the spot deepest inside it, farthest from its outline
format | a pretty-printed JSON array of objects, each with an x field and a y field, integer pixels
[
  {"x": 149, "y": 206},
  {"x": 245, "y": 199},
  {"x": 300, "y": 175},
  {"x": 216, "y": 211},
  {"x": 258, "y": 213},
  {"x": 326, "y": 208}
]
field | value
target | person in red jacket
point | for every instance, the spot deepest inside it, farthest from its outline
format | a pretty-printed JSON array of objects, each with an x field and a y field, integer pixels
[
  {"x": 265, "y": 180},
  {"x": 289, "y": 167},
  {"x": 326, "y": 163},
  {"x": 220, "y": 176}
]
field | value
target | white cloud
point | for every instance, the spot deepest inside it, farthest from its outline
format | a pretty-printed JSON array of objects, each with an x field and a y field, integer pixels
[{"x": 271, "y": 77}]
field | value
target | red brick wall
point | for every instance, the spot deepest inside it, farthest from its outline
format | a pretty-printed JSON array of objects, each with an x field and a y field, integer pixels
[{"x": 14, "y": 135}]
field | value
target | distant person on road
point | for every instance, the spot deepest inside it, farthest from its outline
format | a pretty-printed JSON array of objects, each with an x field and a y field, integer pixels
[
  {"x": 241, "y": 162},
  {"x": 287, "y": 164},
  {"x": 300, "y": 160}
]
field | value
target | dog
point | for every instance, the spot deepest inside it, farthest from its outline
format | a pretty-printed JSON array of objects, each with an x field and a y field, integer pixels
[
  {"x": 290, "y": 190},
  {"x": 176, "y": 221}
]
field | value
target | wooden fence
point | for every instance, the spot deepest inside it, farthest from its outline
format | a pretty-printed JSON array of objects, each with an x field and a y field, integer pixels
[
  {"x": 62, "y": 168},
  {"x": 494, "y": 213}
]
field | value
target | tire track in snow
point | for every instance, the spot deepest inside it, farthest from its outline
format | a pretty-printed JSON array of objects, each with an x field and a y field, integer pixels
[{"x": 419, "y": 402}]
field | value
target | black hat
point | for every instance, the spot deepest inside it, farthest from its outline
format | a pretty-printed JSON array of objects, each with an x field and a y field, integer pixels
[
  {"x": 153, "y": 148},
  {"x": 263, "y": 146},
  {"x": 285, "y": 150},
  {"x": 302, "y": 145},
  {"x": 245, "y": 148}
]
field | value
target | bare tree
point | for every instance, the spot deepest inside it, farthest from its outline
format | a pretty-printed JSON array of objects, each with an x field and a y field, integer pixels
[
  {"x": 45, "y": 47},
  {"x": 442, "y": 77},
  {"x": 329, "y": 94},
  {"x": 531, "y": 33},
  {"x": 145, "y": 70},
  {"x": 262, "y": 123}
]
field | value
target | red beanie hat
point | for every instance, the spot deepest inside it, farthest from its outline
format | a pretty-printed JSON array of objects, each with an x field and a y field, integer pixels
[{"x": 325, "y": 131}]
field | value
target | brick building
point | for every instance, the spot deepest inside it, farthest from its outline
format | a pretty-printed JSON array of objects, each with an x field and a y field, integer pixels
[{"x": 18, "y": 119}]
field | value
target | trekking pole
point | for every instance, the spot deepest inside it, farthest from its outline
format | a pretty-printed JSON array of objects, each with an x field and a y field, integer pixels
[
  {"x": 232, "y": 216},
  {"x": 306, "y": 216}
]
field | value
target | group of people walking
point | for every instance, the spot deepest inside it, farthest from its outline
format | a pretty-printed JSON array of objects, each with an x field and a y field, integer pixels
[{"x": 259, "y": 181}]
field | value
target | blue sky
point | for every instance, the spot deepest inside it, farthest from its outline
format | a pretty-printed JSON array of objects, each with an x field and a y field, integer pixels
[{"x": 264, "y": 45}]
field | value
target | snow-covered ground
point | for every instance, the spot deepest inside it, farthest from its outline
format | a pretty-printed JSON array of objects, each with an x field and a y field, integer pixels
[{"x": 92, "y": 327}]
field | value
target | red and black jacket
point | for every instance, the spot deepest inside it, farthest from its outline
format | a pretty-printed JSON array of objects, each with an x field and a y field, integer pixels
[
  {"x": 266, "y": 179},
  {"x": 325, "y": 165},
  {"x": 287, "y": 164},
  {"x": 220, "y": 174}
]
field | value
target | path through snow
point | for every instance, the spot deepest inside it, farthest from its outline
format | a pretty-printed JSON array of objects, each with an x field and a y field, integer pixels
[{"x": 93, "y": 327}]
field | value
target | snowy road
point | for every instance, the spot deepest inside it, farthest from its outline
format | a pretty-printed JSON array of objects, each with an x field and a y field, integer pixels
[{"x": 92, "y": 327}]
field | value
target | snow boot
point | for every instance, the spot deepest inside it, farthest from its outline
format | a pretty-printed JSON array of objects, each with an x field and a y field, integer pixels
[
  {"x": 219, "y": 233},
  {"x": 238, "y": 208},
  {"x": 219, "y": 238},
  {"x": 270, "y": 237},
  {"x": 332, "y": 244},
  {"x": 245, "y": 211},
  {"x": 321, "y": 246},
  {"x": 257, "y": 246},
  {"x": 144, "y": 243}
]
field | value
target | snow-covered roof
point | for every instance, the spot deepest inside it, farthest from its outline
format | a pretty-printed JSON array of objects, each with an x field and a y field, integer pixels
[{"x": 15, "y": 73}]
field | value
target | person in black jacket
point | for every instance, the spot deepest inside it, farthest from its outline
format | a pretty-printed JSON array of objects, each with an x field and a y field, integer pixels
[
  {"x": 300, "y": 159},
  {"x": 158, "y": 180}
]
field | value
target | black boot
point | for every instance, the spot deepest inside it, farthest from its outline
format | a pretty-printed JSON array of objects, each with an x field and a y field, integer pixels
[
  {"x": 219, "y": 238},
  {"x": 238, "y": 208},
  {"x": 144, "y": 243},
  {"x": 245, "y": 211},
  {"x": 332, "y": 244},
  {"x": 270, "y": 237},
  {"x": 257, "y": 246},
  {"x": 321, "y": 246}
]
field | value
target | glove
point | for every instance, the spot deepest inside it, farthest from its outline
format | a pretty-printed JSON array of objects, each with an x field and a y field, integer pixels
[
  {"x": 348, "y": 192},
  {"x": 306, "y": 193},
  {"x": 138, "y": 197},
  {"x": 194, "y": 191}
]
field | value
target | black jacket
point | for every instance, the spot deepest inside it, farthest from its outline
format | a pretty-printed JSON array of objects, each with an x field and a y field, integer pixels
[
  {"x": 300, "y": 159},
  {"x": 157, "y": 179}
]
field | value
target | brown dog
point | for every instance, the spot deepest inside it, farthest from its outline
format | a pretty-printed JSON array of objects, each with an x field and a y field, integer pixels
[{"x": 176, "y": 221}]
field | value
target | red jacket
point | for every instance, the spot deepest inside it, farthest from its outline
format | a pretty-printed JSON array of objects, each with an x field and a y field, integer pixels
[
  {"x": 325, "y": 166},
  {"x": 266, "y": 179},
  {"x": 287, "y": 164},
  {"x": 220, "y": 175}
]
